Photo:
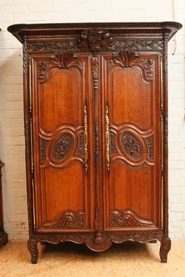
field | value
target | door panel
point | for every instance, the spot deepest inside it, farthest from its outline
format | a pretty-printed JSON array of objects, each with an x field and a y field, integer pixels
[
  {"x": 133, "y": 178},
  {"x": 62, "y": 115}
]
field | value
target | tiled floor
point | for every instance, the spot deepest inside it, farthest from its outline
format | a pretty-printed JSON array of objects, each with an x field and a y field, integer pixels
[{"x": 124, "y": 260}]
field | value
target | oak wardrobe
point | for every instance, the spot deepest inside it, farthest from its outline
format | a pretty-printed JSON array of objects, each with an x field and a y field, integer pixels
[{"x": 96, "y": 132}]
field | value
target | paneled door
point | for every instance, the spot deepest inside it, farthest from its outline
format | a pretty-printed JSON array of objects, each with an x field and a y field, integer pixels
[
  {"x": 63, "y": 174},
  {"x": 133, "y": 135}
]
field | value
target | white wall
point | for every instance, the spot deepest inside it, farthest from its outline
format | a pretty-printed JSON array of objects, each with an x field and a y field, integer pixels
[{"x": 11, "y": 103}]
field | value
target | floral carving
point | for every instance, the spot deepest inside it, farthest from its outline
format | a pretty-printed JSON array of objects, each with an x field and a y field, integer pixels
[
  {"x": 95, "y": 71},
  {"x": 147, "y": 64},
  {"x": 150, "y": 145},
  {"x": 61, "y": 148},
  {"x": 50, "y": 46},
  {"x": 43, "y": 147},
  {"x": 131, "y": 146},
  {"x": 125, "y": 58},
  {"x": 95, "y": 40},
  {"x": 80, "y": 148},
  {"x": 113, "y": 148},
  {"x": 68, "y": 220},
  {"x": 42, "y": 68},
  {"x": 138, "y": 45},
  {"x": 128, "y": 218},
  {"x": 63, "y": 59}
]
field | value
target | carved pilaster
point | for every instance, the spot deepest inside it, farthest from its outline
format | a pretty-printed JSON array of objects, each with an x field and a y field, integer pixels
[{"x": 25, "y": 58}]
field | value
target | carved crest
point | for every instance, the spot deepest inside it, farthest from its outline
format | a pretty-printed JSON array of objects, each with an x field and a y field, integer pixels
[
  {"x": 95, "y": 40},
  {"x": 63, "y": 59},
  {"x": 125, "y": 58}
]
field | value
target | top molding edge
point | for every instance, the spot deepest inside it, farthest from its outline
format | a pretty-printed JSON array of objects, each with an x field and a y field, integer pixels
[{"x": 22, "y": 30}]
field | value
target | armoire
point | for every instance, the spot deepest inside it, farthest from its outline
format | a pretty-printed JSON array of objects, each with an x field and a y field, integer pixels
[{"x": 96, "y": 132}]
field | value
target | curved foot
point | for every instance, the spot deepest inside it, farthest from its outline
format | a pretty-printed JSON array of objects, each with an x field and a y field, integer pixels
[
  {"x": 32, "y": 247},
  {"x": 164, "y": 249}
]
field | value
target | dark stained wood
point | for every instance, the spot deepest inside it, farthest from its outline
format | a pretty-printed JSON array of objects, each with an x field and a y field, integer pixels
[
  {"x": 3, "y": 234},
  {"x": 95, "y": 109}
]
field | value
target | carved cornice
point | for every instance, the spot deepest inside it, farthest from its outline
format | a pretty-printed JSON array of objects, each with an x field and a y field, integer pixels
[{"x": 59, "y": 29}]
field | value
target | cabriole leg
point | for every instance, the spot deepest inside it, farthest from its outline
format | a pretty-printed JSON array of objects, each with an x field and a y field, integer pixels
[
  {"x": 164, "y": 249},
  {"x": 32, "y": 247}
]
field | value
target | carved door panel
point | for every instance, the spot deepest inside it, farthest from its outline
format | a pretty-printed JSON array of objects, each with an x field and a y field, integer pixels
[
  {"x": 62, "y": 115},
  {"x": 132, "y": 187}
]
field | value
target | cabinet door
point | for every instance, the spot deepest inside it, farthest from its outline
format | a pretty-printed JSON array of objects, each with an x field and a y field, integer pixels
[
  {"x": 61, "y": 116},
  {"x": 132, "y": 132}
]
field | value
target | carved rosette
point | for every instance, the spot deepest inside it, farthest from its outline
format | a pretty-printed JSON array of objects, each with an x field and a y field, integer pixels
[
  {"x": 128, "y": 218},
  {"x": 68, "y": 220},
  {"x": 131, "y": 146},
  {"x": 61, "y": 147}
]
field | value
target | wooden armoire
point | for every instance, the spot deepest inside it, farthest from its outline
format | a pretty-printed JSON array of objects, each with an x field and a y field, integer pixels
[{"x": 96, "y": 132}]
